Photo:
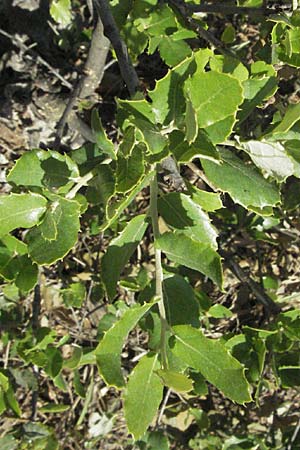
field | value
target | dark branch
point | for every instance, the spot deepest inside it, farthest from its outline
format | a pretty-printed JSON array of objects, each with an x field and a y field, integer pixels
[
  {"x": 86, "y": 84},
  {"x": 220, "y": 8},
  {"x": 112, "y": 32},
  {"x": 257, "y": 290},
  {"x": 183, "y": 10}
]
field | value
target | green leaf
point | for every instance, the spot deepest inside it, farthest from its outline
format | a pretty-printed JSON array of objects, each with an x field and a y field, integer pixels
[
  {"x": 180, "y": 212},
  {"x": 292, "y": 116},
  {"x": 128, "y": 142},
  {"x": 73, "y": 362},
  {"x": 140, "y": 109},
  {"x": 271, "y": 157},
  {"x": 179, "y": 299},
  {"x": 190, "y": 122},
  {"x": 119, "y": 252},
  {"x": 158, "y": 22},
  {"x": 156, "y": 440},
  {"x": 151, "y": 134},
  {"x": 256, "y": 90},
  {"x": 74, "y": 295},
  {"x": 293, "y": 38},
  {"x": 102, "y": 187},
  {"x": 108, "y": 351},
  {"x": 219, "y": 312},
  {"x": 49, "y": 225},
  {"x": 180, "y": 302},
  {"x": 244, "y": 183},
  {"x": 214, "y": 95},
  {"x": 115, "y": 209},
  {"x": 28, "y": 274},
  {"x": 4, "y": 383},
  {"x": 14, "y": 245},
  {"x": 214, "y": 362},
  {"x": 193, "y": 254},
  {"x": 66, "y": 215},
  {"x": 54, "y": 408},
  {"x": 201, "y": 147},
  {"x": 8, "y": 442},
  {"x": 44, "y": 169},
  {"x": 230, "y": 65},
  {"x": 2, "y": 409},
  {"x": 168, "y": 99},
  {"x": 209, "y": 201},
  {"x": 11, "y": 401},
  {"x": 173, "y": 51},
  {"x": 219, "y": 131},
  {"x": 130, "y": 169},
  {"x": 9, "y": 265},
  {"x": 178, "y": 382},
  {"x": 61, "y": 11},
  {"x": 228, "y": 35},
  {"x": 54, "y": 362},
  {"x": 100, "y": 136},
  {"x": 20, "y": 211},
  {"x": 78, "y": 386},
  {"x": 142, "y": 396}
]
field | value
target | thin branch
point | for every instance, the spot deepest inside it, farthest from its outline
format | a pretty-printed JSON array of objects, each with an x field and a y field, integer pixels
[
  {"x": 111, "y": 31},
  {"x": 257, "y": 290},
  {"x": 183, "y": 10},
  {"x": 81, "y": 182},
  {"x": 163, "y": 407},
  {"x": 36, "y": 309},
  {"x": 220, "y": 8},
  {"x": 158, "y": 270},
  {"x": 294, "y": 436}
]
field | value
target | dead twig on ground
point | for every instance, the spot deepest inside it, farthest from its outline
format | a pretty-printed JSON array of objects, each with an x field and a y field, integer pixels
[
  {"x": 257, "y": 290},
  {"x": 29, "y": 49}
]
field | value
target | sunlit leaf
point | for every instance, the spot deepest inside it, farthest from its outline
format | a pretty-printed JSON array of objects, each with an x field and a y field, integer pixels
[
  {"x": 20, "y": 211},
  {"x": 180, "y": 212},
  {"x": 178, "y": 382},
  {"x": 196, "y": 255},
  {"x": 66, "y": 215},
  {"x": 243, "y": 182},
  {"x": 214, "y": 96},
  {"x": 214, "y": 362}
]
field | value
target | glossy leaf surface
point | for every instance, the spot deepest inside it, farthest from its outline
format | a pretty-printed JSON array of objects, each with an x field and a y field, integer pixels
[
  {"x": 214, "y": 96},
  {"x": 193, "y": 254},
  {"x": 176, "y": 381},
  {"x": 66, "y": 217},
  {"x": 243, "y": 182},
  {"x": 180, "y": 212},
  {"x": 214, "y": 362},
  {"x": 20, "y": 211}
]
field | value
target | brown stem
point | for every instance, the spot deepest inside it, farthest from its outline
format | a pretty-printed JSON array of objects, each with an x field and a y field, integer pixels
[{"x": 86, "y": 84}]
